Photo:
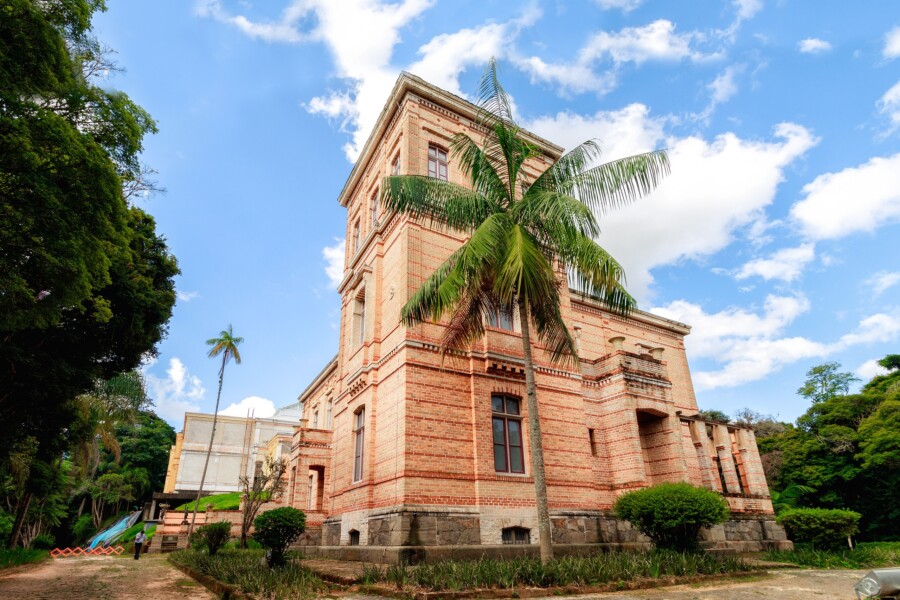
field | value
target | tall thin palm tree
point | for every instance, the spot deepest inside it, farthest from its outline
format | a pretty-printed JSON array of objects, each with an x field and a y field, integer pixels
[
  {"x": 226, "y": 345},
  {"x": 528, "y": 237}
]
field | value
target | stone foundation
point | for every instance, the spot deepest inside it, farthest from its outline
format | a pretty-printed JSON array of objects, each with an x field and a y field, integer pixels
[{"x": 417, "y": 535}]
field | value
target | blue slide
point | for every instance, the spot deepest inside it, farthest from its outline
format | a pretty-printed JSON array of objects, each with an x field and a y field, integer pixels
[{"x": 111, "y": 534}]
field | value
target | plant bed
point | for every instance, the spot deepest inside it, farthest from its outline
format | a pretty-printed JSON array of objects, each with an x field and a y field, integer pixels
[
  {"x": 243, "y": 574},
  {"x": 526, "y": 577},
  {"x": 870, "y": 555}
]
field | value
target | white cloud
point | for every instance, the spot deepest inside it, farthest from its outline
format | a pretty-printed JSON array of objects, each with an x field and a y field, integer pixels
[
  {"x": 655, "y": 41},
  {"x": 724, "y": 86},
  {"x": 870, "y": 369},
  {"x": 892, "y": 43},
  {"x": 334, "y": 262},
  {"x": 751, "y": 345},
  {"x": 176, "y": 393},
  {"x": 882, "y": 281},
  {"x": 256, "y": 406},
  {"x": 786, "y": 264},
  {"x": 748, "y": 8},
  {"x": 889, "y": 106},
  {"x": 625, "y": 6},
  {"x": 716, "y": 187},
  {"x": 573, "y": 77},
  {"x": 813, "y": 46},
  {"x": 187, "y": 296},
  {"x": 856, "y": 199}
]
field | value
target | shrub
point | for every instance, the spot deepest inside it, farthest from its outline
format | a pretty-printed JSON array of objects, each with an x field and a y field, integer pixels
[
  {"x": 43, "y": 541},
  {"x": 212, "y": 536},
  {"x": 6, "y": 526},
  {"x": 83, "y": 528},
  {"x": 672, "y": 514},
  {"x": 277, "y": 529},
  {"x": 821, "y": 527}
]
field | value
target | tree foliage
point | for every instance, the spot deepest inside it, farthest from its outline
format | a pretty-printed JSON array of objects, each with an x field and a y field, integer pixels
[
  {"x": 212, "y": 537},
  {"x": 845, "y": 447},
  {"x": 824, "y": 382},
  {"x": 277, "y": 529},
  {"x": 672, "y": 514},
  {"x": 823, "y": 528}
]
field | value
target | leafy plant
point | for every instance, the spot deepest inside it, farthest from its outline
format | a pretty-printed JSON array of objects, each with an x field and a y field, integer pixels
[
  {"x": 268, "y": 483},
  {"x": 277, "y": 529},
  {"x": 43, "y": 541},
  {"x": 672, "y": 514},
  {"x": 871, "y": 555},
  {"x": 212, "y": 537},
  {"x": 820, "y": 527}
]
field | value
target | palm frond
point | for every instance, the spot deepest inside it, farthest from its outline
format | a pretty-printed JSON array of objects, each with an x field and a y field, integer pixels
[
  {"x": 440, "y": 202},
  {"x": 606, "y": 186},
  {"x": 523, "y": 271},
  {"x": 474, "y": 308},
  {"x": 466, "y": 267},
  {"x": 551, "y": 329},
  {"x": 226, "y": 343},
  {"x": 548, "y": 214},
  {"x": 493, "y": 101},
  {"x": 481, "y": 168},
  {"x": 593, "y": 271}
]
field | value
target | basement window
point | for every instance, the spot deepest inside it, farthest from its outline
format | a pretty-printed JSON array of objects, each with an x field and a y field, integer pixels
[
  {"x": 354, "y": 537},
  {"x": 516, "y": 535}
]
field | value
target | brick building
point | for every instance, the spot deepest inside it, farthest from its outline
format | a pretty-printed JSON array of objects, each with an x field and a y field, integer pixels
[{"x": 401, "y": 449}]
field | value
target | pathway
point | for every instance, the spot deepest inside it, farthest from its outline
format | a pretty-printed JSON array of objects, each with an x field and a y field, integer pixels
[{"x": 89, "y": 578}]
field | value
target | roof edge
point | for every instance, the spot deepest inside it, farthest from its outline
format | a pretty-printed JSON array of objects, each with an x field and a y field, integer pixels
[
  {"x": 332, "y": 365},
  {"x": 406, "y": 83}
]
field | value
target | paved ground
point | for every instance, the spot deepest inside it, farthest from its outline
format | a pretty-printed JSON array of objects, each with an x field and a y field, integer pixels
[
  {"x": 794, "y": 584},
  {"x": 89, "y": 578}
]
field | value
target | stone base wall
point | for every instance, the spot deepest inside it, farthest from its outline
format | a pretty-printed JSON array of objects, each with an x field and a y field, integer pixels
[{"x": 414, "y": 534}]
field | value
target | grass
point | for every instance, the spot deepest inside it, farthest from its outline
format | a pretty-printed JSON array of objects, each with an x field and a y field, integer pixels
[
  {"x": 870, "y": 555},
  {"x": 229, "y": 501},
  {"x": 21, "y": 556},
  {"x": 245, "y": 569},
  {"x": 599, "y": 569}
]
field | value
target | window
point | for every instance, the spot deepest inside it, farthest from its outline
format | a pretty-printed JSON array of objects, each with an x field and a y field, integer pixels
[
  {"x": 354, "y": 537},
  {"x": 309, "y": 496},
  {"x": 376, "y": 204},
  {"x": 315, "y": 420},
  {"x": 356, "y": 236},
  {"x": 502, "y": 319},
  {"x": 593, "y": 444},
  {"x": 395, "y": 166},
  {"x": 507, "y": 429},
  {"x": 359, "y": 317},
  {"x": 516, "y": 535},
  {"x": 359, "y": 444},
  {"x": 437, "y": 163},
  {"x": 328, "y": 411}
]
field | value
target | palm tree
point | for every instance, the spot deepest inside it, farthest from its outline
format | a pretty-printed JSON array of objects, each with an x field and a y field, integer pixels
[
  {"x": 226, "y": 345},
  {"x": 527, "y": 237}
]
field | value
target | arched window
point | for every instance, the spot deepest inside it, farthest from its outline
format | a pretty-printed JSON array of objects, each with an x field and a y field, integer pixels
[
  {"x": 516, "y": 535},
  {"x": 359, "y": 431},
  {"x": 354, "y": 537}
]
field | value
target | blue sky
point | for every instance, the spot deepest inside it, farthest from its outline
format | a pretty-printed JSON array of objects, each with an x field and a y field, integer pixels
[{"x": 775, "y": 237}]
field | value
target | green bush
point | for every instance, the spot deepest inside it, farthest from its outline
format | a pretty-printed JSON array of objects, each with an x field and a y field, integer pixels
[
  {"x": 212, "y": 537},
  {"x": 820, "y": 527},
  {"x": 43, "y": 541},
  {"x": 672, "y": 514},
  {"x": 6, "y": 526},
  {"x": 277, "y": 529},
  {"x": 83, "y": 528}
]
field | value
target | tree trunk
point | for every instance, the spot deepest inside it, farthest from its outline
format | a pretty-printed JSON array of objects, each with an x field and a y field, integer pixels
[
  {"x": 21, "y": 511},
  {"x": 536, "y": 443},
  {"x": 209, "y": 450}
]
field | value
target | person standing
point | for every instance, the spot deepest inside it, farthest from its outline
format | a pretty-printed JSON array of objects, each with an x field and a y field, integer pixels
[{"x": 139, "y": 540}]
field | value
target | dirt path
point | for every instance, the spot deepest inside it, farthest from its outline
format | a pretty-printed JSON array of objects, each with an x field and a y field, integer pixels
[
  {"x": 794, "y": 584},
  {"x": 89, "y": 578}
]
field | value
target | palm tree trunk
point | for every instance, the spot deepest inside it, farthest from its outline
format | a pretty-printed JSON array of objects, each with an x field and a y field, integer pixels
[
  {"x": 534, "y": 431},
  {"x": 209, "y": 449}
]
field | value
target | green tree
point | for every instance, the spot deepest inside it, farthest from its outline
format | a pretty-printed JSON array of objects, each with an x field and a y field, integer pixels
[
  {"x": 716, "y": 416},
  {"x": 267, "y": 484},
  {"x": 277, "y": 529},
  {"x": 891, "y": 362},
  {"x": 824, "y": 382},
  {"x": 145, "y": 445},
  {"x": 109, "y": 490},
  {"x": 86, "y": 284},
  {"x": 520, "y": 229},
  {"x": 225, "y": 345}
]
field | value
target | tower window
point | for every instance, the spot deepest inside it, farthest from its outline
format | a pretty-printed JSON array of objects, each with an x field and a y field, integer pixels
[
  {"x": 329, "y": 407},
  {"x": 359, "y": 317},
  {"x": 359, "y": 444},
  {"x": 507, "y": 432},
  {"x": 356, "y": 236},
  {"x": 437, "y": 163}
]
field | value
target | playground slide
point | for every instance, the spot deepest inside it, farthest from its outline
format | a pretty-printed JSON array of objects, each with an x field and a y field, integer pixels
[{"x": 111, "y": 534}]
